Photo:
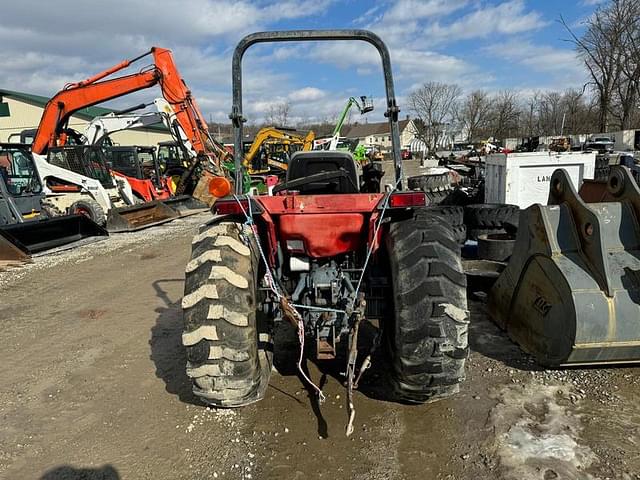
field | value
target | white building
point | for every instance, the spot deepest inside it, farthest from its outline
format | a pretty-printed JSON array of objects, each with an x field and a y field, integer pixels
[{"x": 379, "y": 134}]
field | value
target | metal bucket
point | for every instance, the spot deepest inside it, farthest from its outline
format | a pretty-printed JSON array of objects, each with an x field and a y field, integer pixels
[
  {"x": 571, "y": 291},
  {"x": 49, "y": 233},
  {"x": 186, "y": 205},
  {"x": 137, "y": 217},
  {"x": 12, "y": 252}
]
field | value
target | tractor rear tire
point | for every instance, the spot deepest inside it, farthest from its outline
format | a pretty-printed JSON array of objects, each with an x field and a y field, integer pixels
[
  {"x": 450, "y": 215},
  {"x": 91, "y": 209},
  {"x": 427, "y": 341},
  {"x": 229, "y": 351}
]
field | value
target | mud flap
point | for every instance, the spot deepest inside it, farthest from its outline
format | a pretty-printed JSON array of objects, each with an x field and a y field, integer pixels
[
  {"x": 50, "y": 233},
  {"x": 571, "y": 291},
  {"x": 185, "y": 205},
  {"x": 139, "y": 216}
]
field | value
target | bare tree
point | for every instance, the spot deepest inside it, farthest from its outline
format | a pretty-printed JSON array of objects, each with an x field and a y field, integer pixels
[
  {"x": 602, "y": 50},
  {"x": 474, "y": 113},
  {"x": 505, "y": 114},
  {"x": 578, "y": 114},
  {"x": 434, "y": 106},
  {"x": 550, "y": 113},
  {"x": 278, "y": 114},
  {"x": 627, "y": 89}
]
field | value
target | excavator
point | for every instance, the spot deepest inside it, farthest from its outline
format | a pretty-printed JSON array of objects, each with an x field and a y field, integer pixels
[
  {"x": 188, "y": 122},
  {"x": 272, "y": 147}
]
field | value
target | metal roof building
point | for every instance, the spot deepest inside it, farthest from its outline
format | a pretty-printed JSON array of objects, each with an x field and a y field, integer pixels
[{"x": 25, "y": 111}]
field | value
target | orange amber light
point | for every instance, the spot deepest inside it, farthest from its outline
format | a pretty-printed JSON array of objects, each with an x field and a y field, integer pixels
[{"x": 219, "y": 187}]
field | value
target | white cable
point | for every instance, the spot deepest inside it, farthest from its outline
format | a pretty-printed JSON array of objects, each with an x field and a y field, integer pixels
[
  {"x": 274, "y": 289},
  {"x": 385, "y": 204}
]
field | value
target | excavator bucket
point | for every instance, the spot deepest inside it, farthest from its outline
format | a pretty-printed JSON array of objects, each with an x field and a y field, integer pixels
[
  {"x": 137, "y": 217},
  {"x": 48, "y": 233},
  {"x": 12, "y": 253},
  {"x": 185, "y": 205},
  {"x": 570, "y": 294}
]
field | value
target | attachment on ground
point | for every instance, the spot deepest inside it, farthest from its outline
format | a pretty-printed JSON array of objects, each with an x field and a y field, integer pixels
[
  {"x": 137, "y": 217},
  {"x": 571, "y": 291}
]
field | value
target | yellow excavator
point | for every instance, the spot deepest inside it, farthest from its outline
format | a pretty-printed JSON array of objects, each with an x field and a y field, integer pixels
[{"x": 272, "y": 147}]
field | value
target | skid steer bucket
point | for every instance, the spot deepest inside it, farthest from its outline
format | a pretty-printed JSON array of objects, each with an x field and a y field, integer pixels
[
  {"x": 186, "y": 205},
  {"x": 137, "y": 217},
  {"x": 571, "y": 291},
  {"x": 46, "y": 234},
  {"x": 12, "y": 253}
]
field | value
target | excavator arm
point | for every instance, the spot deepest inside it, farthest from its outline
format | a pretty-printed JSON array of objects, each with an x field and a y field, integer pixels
[
  {"x": 365, "y": 106},
  {"x": 272, "y": 135},
  {"x": 98, "y": 89},
  {"x": 101, "y": 127}
]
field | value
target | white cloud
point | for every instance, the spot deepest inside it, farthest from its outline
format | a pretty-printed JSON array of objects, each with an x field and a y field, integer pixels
[
  {"x": 505, "y": 18},
  {"x": 306, "y": 94},
  {"x": 404, "y": 10},
  {"x": 561, "y": 66},
  {"x": 44, "y": 46}
]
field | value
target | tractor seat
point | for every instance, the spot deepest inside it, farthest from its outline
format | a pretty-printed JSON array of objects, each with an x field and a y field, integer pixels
[{"x": 303, "y": 164}]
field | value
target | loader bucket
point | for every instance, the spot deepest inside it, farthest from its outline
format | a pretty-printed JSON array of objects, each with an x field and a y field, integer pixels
[
  {"x": 185, "y": 205},
  {"x": 49, "y": 233},
  {"x": 137, "y": 217},
  {"x": 12, "y": 253},
  {"x": 201, "y": 190},
  {"x": 570, "y": 293}
]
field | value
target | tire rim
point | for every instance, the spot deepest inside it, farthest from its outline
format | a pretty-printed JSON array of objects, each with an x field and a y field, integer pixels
[{"x": 83, "y": 211}]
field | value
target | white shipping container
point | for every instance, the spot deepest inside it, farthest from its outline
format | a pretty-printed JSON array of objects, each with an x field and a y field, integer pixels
[{"x": 523, "y": 178}]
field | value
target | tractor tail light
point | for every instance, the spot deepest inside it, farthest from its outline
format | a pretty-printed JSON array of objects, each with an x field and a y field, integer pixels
[
  {"x": 407, "y": 199},
  {"x": 231, "y": 206}
]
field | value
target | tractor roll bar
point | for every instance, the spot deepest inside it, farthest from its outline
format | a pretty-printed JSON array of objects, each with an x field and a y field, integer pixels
[{"x": 302, "y": 36}]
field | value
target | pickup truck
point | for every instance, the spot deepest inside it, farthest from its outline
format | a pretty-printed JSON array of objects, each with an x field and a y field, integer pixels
[{"x": 600, "y": 143}]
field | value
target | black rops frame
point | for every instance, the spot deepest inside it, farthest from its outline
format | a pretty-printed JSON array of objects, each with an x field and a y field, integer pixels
[{"x": 302, "y": 36}]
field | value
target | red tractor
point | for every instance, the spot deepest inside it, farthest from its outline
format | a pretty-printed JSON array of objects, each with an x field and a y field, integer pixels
[{"x": 325, "y": 256}]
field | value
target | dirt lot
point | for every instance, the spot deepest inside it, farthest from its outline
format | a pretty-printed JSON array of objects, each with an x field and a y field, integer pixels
[{"x": 93, "y": 387}]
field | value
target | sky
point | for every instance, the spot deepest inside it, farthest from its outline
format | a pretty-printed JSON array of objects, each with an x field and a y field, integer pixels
[{"x": 487, "y": 44}]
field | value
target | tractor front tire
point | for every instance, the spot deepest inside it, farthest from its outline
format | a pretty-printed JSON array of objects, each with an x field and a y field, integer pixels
[
  {"x": 228, "y": 357},
  {"x": 426, "y": 341}
]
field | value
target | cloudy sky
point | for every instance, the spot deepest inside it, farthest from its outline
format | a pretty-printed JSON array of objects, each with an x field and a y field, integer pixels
[{"x": 490, "y": 44}]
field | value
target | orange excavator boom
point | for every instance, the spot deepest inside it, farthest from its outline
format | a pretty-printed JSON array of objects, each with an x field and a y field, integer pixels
[{"x": 98, "y": 89}]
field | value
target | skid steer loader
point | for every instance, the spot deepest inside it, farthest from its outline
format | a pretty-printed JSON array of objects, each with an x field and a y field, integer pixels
[
  {"x": 82, "y": 182},
  {"x": 570, "y": 294},
  {"x": 27, "y": 223},
  {"x": 326, "y": 257},
  {"x": 139, "y": 165}
]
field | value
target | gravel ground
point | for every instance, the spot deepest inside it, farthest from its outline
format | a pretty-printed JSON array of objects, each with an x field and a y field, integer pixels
[{"x": 93, "y": 387}]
